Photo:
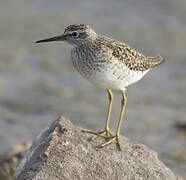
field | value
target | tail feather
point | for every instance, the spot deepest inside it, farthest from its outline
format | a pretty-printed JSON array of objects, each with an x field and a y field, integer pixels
[{"x": 156, "y": 60}]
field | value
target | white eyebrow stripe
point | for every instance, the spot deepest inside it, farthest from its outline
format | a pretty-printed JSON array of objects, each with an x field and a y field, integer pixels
[{"x": 69, "y": 32}]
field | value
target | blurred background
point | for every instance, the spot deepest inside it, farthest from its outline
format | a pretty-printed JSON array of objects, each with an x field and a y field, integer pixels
[{"x": 38, "y": 82}]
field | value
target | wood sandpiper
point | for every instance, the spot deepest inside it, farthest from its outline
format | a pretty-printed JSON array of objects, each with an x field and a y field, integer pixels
[{"x": 108, "y": 63}]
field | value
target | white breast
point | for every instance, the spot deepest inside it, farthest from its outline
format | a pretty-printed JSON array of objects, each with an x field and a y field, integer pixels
[{"x": 111, "y": 74}]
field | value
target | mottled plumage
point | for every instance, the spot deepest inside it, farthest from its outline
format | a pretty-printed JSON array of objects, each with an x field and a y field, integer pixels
[
  {"x": 133, "y": 60},
  {"x": 107, "y": 62}
]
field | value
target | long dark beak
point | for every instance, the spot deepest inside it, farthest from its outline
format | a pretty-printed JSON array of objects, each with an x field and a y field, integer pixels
[{"x": 57, "y": 38}]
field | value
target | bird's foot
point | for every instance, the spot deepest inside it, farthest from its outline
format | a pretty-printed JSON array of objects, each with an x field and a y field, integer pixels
[
  {"x": 112, "y": 139},
  {"x": 105, "y": 134}
]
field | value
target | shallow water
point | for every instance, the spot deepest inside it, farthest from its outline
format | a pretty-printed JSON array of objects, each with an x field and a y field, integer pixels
[{"x": 38, "y": 82}]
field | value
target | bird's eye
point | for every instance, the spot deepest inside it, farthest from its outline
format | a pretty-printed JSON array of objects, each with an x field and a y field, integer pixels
[{"x": 75, "y": 34}]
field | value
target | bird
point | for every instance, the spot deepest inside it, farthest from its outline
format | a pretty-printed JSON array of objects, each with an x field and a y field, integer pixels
[{"x": 108, "y": 63}]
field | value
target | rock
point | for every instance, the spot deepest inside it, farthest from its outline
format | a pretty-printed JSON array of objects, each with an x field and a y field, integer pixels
[
  {"x": 62, "y": 152},
  {"x": 11, "y": 159}
]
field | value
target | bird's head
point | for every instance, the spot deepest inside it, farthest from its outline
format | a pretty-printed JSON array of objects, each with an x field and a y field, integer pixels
[{"x": 74, "y": 34}]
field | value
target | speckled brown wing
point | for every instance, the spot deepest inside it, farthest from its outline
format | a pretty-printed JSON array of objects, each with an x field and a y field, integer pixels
[{"x": 132, "y": 59}]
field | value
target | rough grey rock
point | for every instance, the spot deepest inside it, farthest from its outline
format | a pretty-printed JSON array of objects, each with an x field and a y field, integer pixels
[
  {"x": 10, "y": 160},
  {"x": 62, "y": 152}
]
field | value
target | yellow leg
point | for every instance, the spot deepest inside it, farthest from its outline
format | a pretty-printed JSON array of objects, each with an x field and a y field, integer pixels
[
  {"x": 106, "y": 132},
  {"x": 116, "y": 136}
]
